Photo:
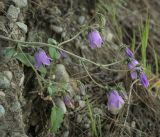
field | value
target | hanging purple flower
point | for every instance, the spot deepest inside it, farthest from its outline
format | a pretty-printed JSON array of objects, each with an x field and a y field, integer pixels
[
  {"x": 132, "y": 64},
  {"x": 41, "y": 58},
  {"x": 115, "y": 102},
  {"x": 63, "y": 54},
  {"x": 143, "y": 79},
  {"x": 134, "y": 74},
  {"x": 129, "y": 53},
  {"x": 95, "y": 40},
  {"x": 68, "y": 102}
]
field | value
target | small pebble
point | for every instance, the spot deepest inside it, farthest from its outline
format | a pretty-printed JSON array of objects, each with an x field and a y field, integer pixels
[
  {"x": 21, "y": 80},
  {"x": 8, "y": 74},
  {"x": 22, "y": 26},
  {"x": 61, "y": 104},
  {"x": 87, "y": 125},
  {"x": 16, "y": 107},
  {"x": 20, "y": 3},
  {"x": 2, "y": 111},
  {"x": 4, "y": 82},
  {"x": 13, "y": 12},
  {"x": 82, "y": 103},
  {"x": 56, "y": 29},
  {"x": 81, "y": 20},
  {"x": 79, "y": 118},
  {"x": 2, "y": 94},
  {"x": 133, "y": 124},
  {"x": 65, "y": 134},
  {"x": 82, "y": 89},
  {"x": 61, "y": 74},
  {"x": 63, "y": 35}
]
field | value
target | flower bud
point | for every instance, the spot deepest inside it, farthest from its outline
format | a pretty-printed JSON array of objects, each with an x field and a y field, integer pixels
[
  {"x": 68, "y": 102},
  {"x": 129, "y": 53},
  {"x": 143, "y": 79},
  {"x": 132, "y": 64}
]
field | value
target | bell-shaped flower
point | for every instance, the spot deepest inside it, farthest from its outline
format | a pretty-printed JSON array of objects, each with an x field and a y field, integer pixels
[
  {"x": 115, "y": 102},
  {"x": 68, "y": 102},
  {"x": 63, "y": 54},
  {"x": 134, "y": 74},
  {"x": 41, "y": 58},
  {"x": 95, "y": 40},
  {"x": 132, "y": 64},
  {"x": 143, "y": 79},
  {"x": 129, "y": 53}
]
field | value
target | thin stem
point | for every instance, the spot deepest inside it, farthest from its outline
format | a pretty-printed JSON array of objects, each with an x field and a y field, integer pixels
[
  {"x": 129, "y": 100},
  {"x": 40, "y": 44},
  {"x": 101, "y": 86}
]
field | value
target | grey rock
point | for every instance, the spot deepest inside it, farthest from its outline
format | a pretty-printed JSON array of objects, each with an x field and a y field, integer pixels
[
  {"x": 87, "y": 125},
  {"x": 65, "y": 134},
  {"x": 16, "y": 107},
  {"x": 61, "y": 73},
  {"x": 8, "y": 74},
  {"x": 2, "y": 94},
  {"x": 82, "y": 89},
  {"x": 79, "y": 118},
  {"x": 133, "y": 124},
  {"x": 20, "y": 3},
  {"x": 81, "y": 20},
  {"x": 2, "y": 111},
  {"x": 13, "y": 12},
  {"x": 61, "y": 104},
  {"x": 82, "y": 103},
  {"x": 22, "y": 26},
  {"x": 56, "y": 29},
  {"x": 63, "y": 35},
  {"x": 4, "y": 82}
]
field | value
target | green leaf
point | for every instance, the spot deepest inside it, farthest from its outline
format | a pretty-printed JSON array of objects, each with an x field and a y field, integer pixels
[
  {"x": 25, "y": 58},
  {"x": 51, "y": 89},
  {"x": 52, "y": 41},
  {"x": 8, "y": 52},
  {"x": 57, "y": 115},
  {"x": 54, "y": 53},
  {"x": 43, "y": 71}
]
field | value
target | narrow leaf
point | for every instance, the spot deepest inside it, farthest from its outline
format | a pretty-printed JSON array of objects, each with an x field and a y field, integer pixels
[{"x": 25, "y": 58}]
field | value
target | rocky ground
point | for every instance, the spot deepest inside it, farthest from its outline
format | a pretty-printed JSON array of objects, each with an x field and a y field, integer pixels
[{"x": 25, "y": 104}]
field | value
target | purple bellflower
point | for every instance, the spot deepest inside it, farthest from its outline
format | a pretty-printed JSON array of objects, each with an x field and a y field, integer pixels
[
  {"x": 143, "y": 79},
  {"x": 129, "y": 53},
  {"x": 115, "y": 102},
  {"x": 68, "y": 102},
  {"x": 132, "y": 64},
  {"x": 134, "y": 74},
  {"x": 63, "y": 54},
  {"x": 41, "y": 58},
  {"x": 95, "y": 40}
]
